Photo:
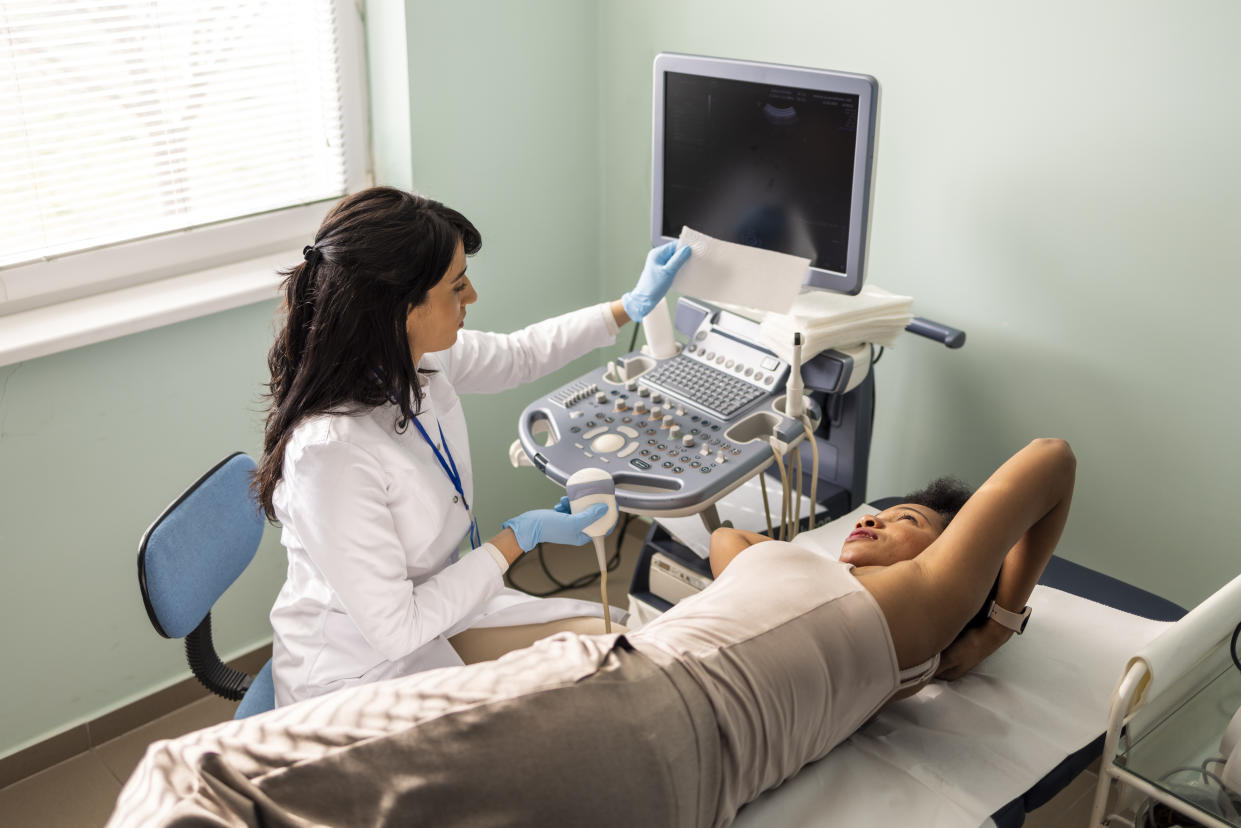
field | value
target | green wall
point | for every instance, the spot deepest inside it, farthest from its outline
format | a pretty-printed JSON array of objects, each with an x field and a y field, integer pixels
[
  {"x": 1061, "y": 181},
  {"x": 94, "y": 443},
  {"x": 503, "y": 128}
]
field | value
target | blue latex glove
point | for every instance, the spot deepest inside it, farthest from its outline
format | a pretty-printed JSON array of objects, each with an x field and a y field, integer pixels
[
  {"x": 554, "y": 525},
  {"x": 662, "y": 265}
]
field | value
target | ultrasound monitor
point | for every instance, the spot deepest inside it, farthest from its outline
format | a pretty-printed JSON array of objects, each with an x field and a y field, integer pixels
[{"x": 776, "y": 157}]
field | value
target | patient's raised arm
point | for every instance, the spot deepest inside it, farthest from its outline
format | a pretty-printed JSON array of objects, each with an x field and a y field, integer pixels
[{"x": 1014, "y": 519}]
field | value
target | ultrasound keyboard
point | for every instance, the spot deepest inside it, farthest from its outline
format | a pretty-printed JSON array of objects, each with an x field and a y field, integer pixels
[{"x": 716, "y": 392}]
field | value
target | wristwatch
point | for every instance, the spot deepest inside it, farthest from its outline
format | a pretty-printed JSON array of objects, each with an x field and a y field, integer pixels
[{"x": 1015, "y": 621}]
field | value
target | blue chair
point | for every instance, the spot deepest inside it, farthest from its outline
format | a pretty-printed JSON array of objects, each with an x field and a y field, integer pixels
[{"x": 188, "y": 557}]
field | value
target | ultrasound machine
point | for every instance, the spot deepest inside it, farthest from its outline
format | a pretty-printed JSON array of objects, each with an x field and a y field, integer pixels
[
  {"x": 774, "y": 157},
  {"x": 781, "y": 158}
]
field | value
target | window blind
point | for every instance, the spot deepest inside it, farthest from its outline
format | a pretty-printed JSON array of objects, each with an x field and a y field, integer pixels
[{"x": 124, "y": 119}]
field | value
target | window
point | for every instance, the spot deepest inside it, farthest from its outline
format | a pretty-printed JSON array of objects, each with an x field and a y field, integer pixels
[{"x": 145, "y": 138}]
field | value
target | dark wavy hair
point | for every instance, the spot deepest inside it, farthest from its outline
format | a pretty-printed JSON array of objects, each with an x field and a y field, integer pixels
[
  {"x": 343, "y": 341},
  {"x": 944, "y": 495}
]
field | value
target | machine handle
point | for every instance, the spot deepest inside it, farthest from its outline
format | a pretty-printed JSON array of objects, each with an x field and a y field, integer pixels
[{"x": 951, "y": 337}]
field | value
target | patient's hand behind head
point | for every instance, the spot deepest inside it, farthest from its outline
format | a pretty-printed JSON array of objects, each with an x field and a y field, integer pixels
[{"x": 893, "y": 535}]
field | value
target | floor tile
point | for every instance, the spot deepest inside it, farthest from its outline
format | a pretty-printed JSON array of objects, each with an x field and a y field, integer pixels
[
  {"x": 121, "y": 755},
  {"x": 77, "y": 792},
  {"x": 40, "y": 757}
]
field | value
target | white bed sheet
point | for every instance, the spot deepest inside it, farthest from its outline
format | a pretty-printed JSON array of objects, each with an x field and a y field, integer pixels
[{"x": 958, "y": 751}]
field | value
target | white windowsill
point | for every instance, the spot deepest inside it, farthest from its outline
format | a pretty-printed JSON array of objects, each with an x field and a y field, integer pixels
[{"x": 54, "y": 328}]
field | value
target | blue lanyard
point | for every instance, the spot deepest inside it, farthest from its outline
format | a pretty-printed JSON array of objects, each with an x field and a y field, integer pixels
[{"x": 450, "y": 469}]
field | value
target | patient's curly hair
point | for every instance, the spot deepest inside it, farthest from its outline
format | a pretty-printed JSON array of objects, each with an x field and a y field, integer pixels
[{"x": 946, "y": 495}]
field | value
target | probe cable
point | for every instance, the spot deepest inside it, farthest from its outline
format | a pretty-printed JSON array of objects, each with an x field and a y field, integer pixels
[
  {"x": 784, "y": 483},
  {"x": 601, "y": 554},
  {"x": 576, "y": 583},
  {"x": 1232, "y": 648},
  {"x": 762, "y": 484},
  {"x": 814, "y": 469},
  {"x": 786, "y": 531},
  {"x": 797, "y": 512}
]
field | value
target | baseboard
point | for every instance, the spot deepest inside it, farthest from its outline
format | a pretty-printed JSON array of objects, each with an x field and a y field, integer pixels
[{"x": 69, "y": 743}]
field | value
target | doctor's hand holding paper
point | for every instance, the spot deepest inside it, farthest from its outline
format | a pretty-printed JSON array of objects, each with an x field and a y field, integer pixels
[
  {"x": 366, "y": 462},
  {"x": 661, "y": 268}
]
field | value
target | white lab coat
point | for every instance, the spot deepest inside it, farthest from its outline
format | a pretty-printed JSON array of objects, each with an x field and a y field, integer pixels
[{"x": 372, "y": 523}]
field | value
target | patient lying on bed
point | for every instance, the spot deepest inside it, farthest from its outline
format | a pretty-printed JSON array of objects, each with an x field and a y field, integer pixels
[{"x": 680, "y": 723}]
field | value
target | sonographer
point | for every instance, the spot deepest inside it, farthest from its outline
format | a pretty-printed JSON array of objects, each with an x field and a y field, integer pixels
[{"x": 366, "y": 460}]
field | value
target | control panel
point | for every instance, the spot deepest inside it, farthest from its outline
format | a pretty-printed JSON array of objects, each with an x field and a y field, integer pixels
[{"x": 675, "y": 434}]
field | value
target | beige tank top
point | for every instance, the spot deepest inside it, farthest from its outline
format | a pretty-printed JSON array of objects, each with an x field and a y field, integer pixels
[{"x": 792, "y": 652}]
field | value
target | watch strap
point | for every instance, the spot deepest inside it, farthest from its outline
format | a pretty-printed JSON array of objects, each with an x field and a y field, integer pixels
[{"x": 1015, "y": 621}]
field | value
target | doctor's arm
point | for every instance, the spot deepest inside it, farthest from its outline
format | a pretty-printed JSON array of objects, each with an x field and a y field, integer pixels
[
  {"x": 339, "y": 511},
  {"x": 483, "y": 362}
]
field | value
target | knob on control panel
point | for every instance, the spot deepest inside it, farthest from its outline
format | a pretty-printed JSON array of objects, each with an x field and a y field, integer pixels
[
  {"x": 656, "y": 397},
  {"x": 687, "y": 440},
  {"x": 620, "y": 405},
  {"x": 639, "y": 407},
  {"x": 674, "y": 432},
  {"x": 667, "y": 421},
  {"x": 601, "y": 398}
]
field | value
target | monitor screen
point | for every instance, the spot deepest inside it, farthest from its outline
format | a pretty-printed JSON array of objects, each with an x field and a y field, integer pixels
[{"x": 770, "y": 156}]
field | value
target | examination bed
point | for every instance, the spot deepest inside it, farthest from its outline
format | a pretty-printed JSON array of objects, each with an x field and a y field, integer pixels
[{"x": 992, "y": 746}]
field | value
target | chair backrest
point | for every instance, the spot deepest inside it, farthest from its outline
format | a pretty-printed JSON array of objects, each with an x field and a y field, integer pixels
[{"x": 196, "y": 549}]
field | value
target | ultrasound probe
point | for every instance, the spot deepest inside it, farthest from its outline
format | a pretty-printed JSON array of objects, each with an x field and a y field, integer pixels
[{"x": 584, "y": 489}]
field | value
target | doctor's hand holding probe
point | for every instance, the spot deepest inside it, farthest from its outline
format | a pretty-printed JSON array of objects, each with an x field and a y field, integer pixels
[{"x": 366, "y": 461}]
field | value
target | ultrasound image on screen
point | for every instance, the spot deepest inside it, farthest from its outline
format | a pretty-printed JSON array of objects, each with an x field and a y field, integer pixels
[{"x": 768, "y": 166}]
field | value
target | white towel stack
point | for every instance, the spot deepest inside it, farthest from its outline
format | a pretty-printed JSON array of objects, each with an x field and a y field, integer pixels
[{"x": 834, "y": 320}]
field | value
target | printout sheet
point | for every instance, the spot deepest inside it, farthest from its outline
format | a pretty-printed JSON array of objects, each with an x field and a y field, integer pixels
[{"x": 737, "y": 274}]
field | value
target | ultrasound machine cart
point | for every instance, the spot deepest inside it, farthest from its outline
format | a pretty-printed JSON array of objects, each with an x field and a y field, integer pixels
[{"x": 774, "y": 157}]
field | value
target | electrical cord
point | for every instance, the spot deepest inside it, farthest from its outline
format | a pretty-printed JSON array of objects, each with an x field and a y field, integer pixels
[
  {"x": 796, "y": 524},
  {"x": 1148, "y": 817},
  {"x": 1232, "y": 648},
  {"x": 784, "y": 485},
  {"x": 762, "y": 484},
  {"x": 577, "y": 583},
  {"x": 814, "y": 465}
]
